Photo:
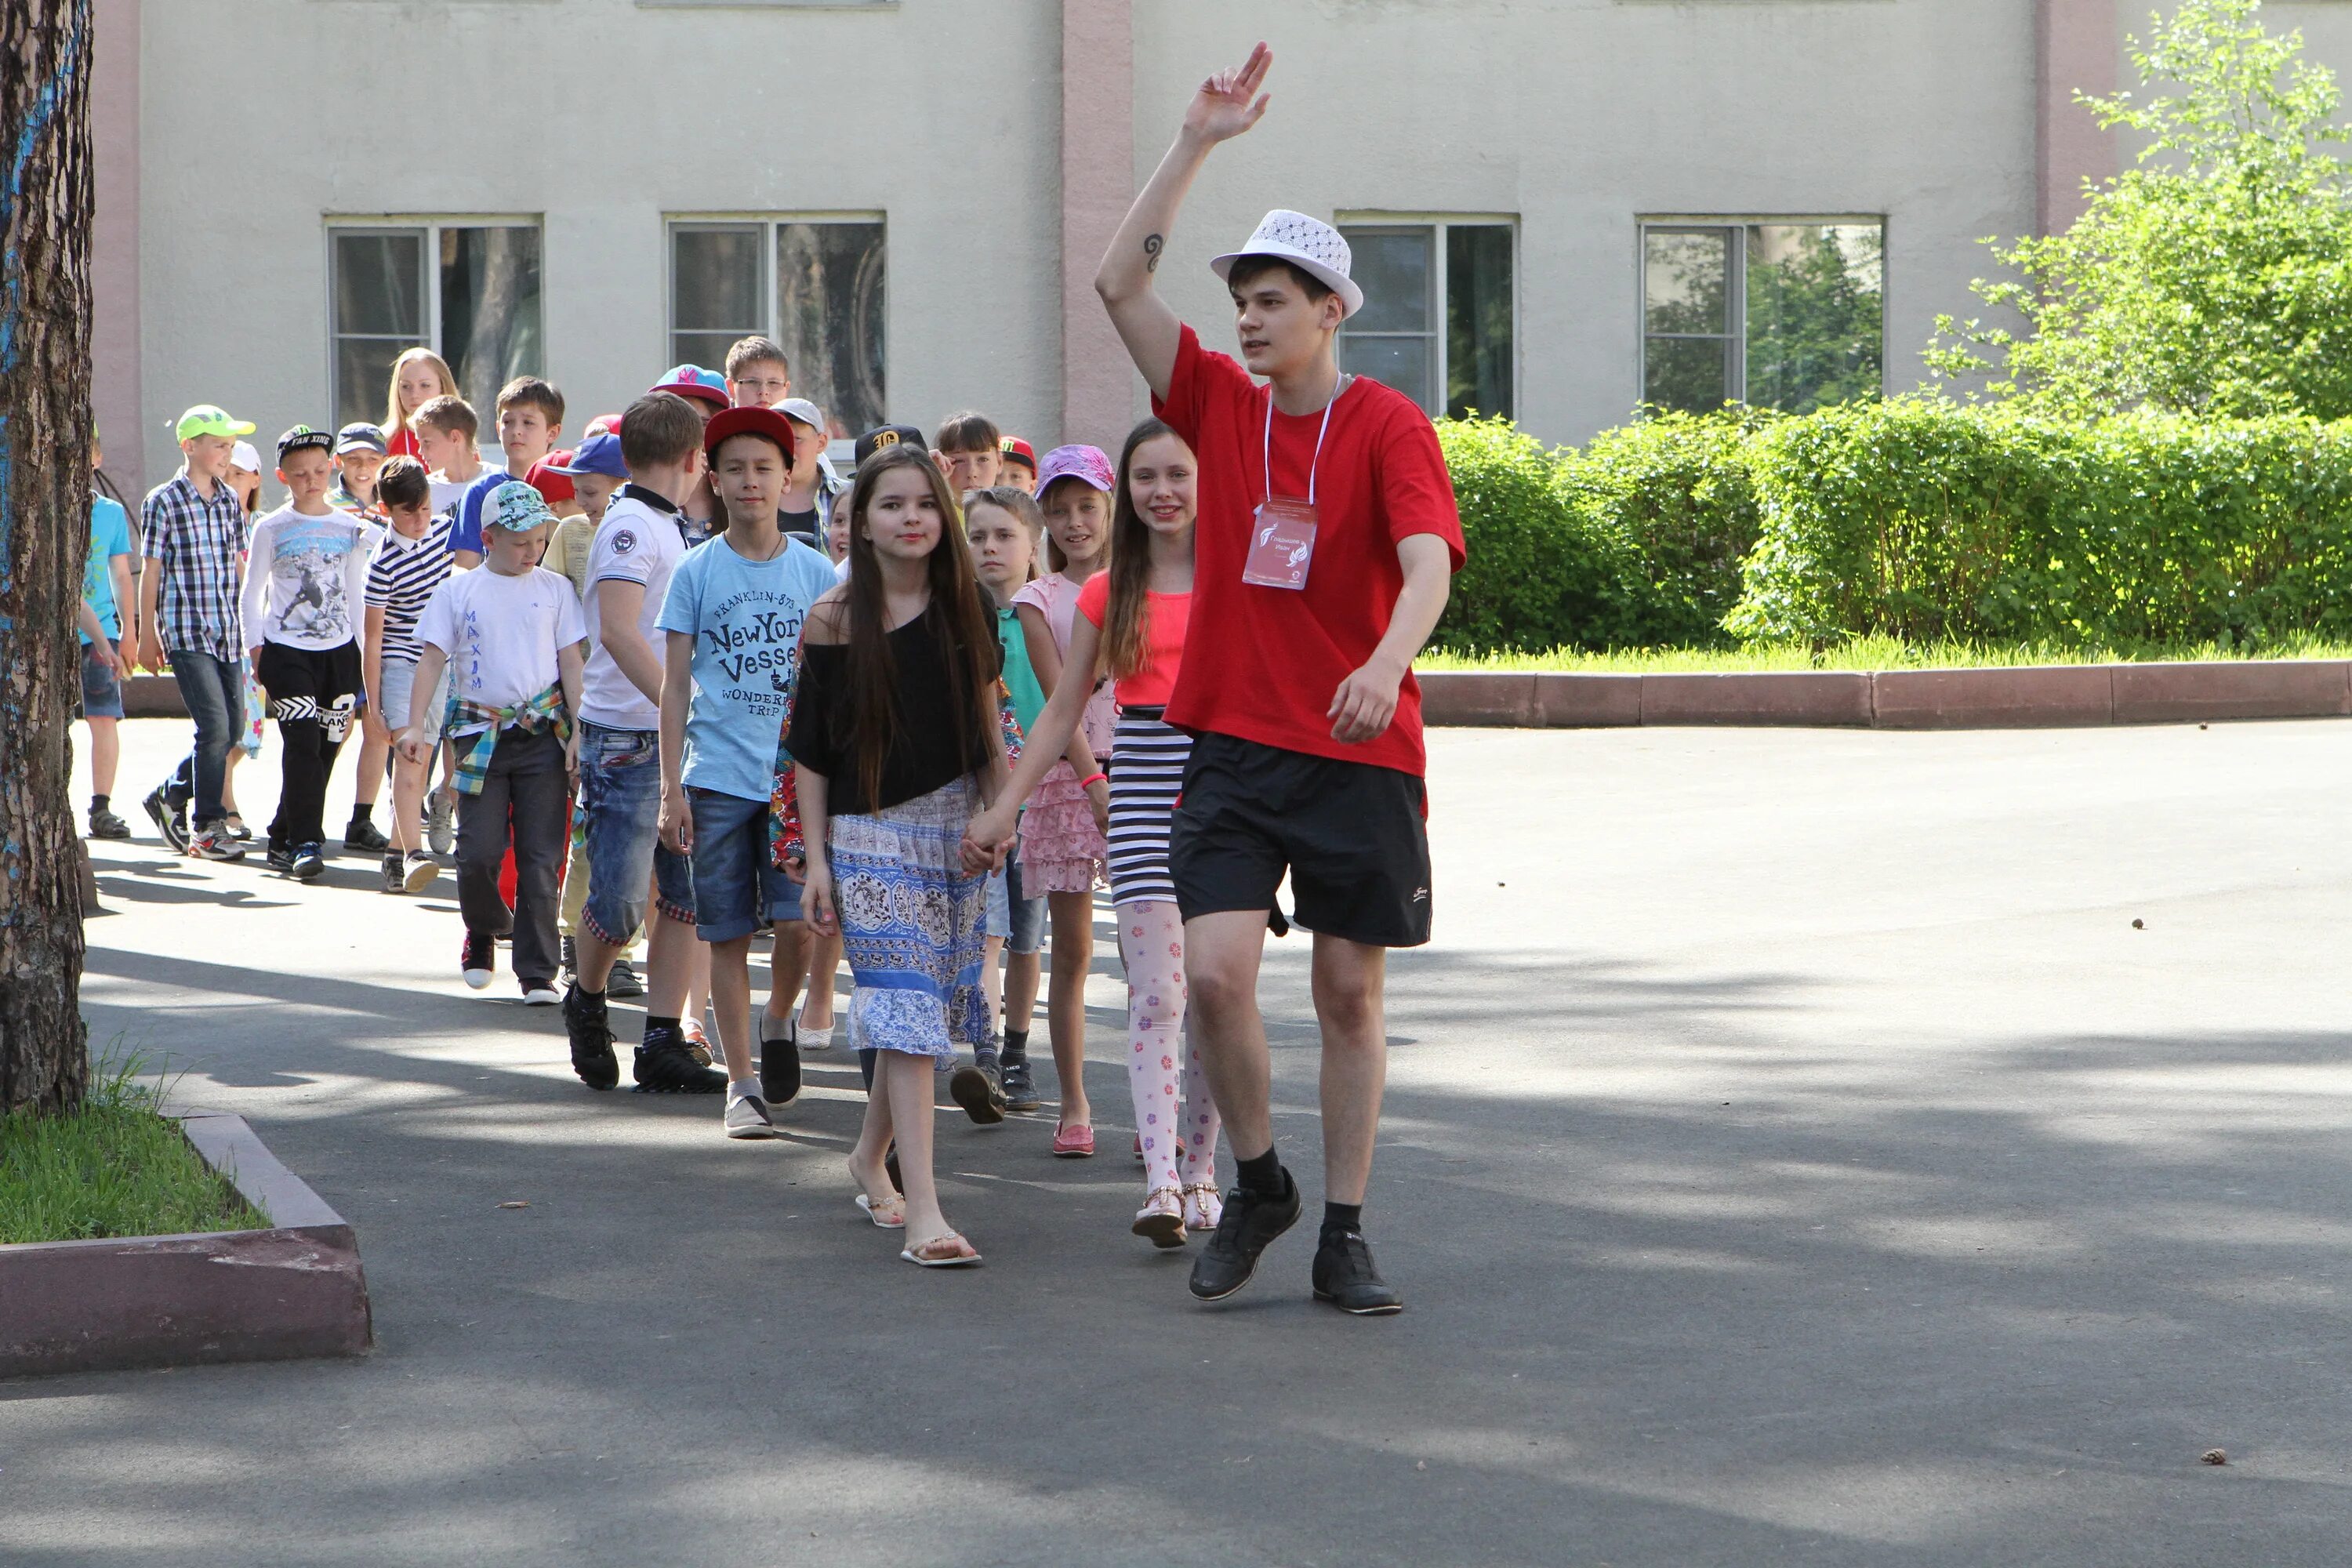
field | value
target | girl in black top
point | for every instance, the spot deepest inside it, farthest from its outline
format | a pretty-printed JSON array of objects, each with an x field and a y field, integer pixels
[{"x": 896, "y": 746}]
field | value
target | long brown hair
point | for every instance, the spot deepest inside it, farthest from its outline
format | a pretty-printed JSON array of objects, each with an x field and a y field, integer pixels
[
  {"x": 1127, "y": 618},
  {"x": 966, "y": 631}
]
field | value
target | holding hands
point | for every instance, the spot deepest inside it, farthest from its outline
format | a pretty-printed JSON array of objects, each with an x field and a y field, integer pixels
[{"x": 989, "y": 838}]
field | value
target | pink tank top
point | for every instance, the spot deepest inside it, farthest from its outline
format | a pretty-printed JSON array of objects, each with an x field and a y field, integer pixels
[{"x": 1056, "y": 597}]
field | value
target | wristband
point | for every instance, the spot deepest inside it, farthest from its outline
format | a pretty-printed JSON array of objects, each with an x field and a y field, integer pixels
[{"x": 1092, "y": 779}]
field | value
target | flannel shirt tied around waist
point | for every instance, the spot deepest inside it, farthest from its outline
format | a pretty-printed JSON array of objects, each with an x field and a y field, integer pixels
[{"x": 544, "y": 711}]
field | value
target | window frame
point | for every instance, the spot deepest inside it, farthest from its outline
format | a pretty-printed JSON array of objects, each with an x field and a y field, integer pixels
[
  {"x": 430, "y": 226},
  {"x": 1735, "y": 287},
  {"x": 1434, "y": 226},
  {"x": 767, "y": 223}
]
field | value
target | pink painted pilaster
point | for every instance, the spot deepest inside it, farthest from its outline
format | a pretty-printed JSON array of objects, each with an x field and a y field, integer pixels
[
  {"x": 2079, "y": 49},
  {"x": 115, "y": 382},
  {"x": 1098, "y": 184}
]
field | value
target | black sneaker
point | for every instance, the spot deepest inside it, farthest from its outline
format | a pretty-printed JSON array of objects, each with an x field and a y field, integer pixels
[
  {"x": 478, "y": 959},
  {"x": 624, "y": 980},
  {"x": 310, "y": 861},
  {"x": 665, "y": 1067},
  {"x": 592, "y": 1039},
  {"x": 104, "y": 824},
  {"x": 1020, "y": 1086},
  {"x": 1345, "y": 1275},
  {"x": 364, "y": 837},
  {"x": 978, "y": 1091},
  {"x": 395, "y": 873},
  {"x": 171, "y": 821},
  {"x": 780, "y": 1068},
  {"x": 279, "y": 858},
  {"x": 571, "y": 962},
  {"x": 1251, "y": 1221}
]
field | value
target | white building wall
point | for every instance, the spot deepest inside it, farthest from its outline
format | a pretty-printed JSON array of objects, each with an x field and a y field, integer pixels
[
  {"x": 262, "y": 117},
  {"x": 1581, "y": 116}
]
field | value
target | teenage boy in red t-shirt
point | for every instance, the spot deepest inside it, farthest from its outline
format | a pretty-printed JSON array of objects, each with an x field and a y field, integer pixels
[{"x": 1326, "y": 543}]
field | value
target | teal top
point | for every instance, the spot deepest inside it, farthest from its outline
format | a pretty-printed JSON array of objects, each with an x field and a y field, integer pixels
[{"x": 1028, "y": 697}]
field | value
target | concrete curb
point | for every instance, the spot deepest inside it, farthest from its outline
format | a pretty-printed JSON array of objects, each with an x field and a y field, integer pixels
[
  {"x": 2036, "y": 696},
  {"x": 295, "y": 1290}
]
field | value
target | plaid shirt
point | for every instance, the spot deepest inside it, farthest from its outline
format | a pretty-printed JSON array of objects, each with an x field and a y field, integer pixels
[
  {"x": 484, "y": 723},
  {"x": 201, "y": 544}
]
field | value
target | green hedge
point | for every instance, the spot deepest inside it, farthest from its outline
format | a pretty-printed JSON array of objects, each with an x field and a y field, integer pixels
[
  {"x": 1634, "y": 541},
  {"x": 1915, "y": 517}
]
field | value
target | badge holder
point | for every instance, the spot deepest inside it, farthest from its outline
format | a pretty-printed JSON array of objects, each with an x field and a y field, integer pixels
[{"x": 1282, "y": 544}]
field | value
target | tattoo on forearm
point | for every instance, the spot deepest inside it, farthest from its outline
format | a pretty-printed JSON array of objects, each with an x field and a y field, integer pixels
[{"x": 1151, "y": 244}]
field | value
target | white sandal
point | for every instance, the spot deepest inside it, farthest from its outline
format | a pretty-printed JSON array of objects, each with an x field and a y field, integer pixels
[
  {"x": 1204, "y": 1206},
  {"x": 1161, "y": 1218}
]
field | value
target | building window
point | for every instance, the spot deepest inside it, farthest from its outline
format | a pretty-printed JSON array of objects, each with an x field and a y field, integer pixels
[
  {"x": 814, "y": 285},
  {"x": 468, "y": 288},
  {"x": 1788, "y": 314},
  {"x": 1438, "y": 323}
]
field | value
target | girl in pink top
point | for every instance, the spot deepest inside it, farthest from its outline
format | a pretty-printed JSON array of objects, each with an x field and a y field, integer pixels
[
  {"x": 1129, "y": 626},
  {"x": 1062, "y": 849}
]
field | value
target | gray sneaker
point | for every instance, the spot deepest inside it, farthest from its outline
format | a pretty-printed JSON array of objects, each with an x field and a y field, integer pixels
[
  {"x": 1020, "y": 1086},
  {"x": 749, "y": 1118},
  {"x": 623, "y": 981},
  {"x": 441, "y": 824}
]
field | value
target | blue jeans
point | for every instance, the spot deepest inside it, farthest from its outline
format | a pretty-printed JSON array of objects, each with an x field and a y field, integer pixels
[
  {"x": 620, "y": 810},
  {"x": 1019, "y": 920},
  {"x": 735, "y": 878},
  {"x": 214, "y": 690}
]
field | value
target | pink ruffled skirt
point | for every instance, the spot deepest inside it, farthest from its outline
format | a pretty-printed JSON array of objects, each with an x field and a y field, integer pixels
[{"x": 1062, "y": 850}]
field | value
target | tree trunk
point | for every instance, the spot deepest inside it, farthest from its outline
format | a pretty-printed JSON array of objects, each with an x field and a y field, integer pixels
[{"x": 45, "y": 424}]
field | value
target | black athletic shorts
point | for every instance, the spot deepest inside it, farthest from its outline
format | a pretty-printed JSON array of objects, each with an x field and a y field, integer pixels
[{"x": 1354, "y": 837}]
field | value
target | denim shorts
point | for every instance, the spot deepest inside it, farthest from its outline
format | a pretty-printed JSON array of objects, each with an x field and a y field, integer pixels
[
  {"x": 102, "y": 693},
  {"x": 1021, "y": 921},
  {"x": 735, "y": 878},
  {"x": 620, "y": 816},
  {"x": 398, "y": 679}
]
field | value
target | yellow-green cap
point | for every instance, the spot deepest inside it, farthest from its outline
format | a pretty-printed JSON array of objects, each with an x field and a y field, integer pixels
[{"x": 204, "y": 419}]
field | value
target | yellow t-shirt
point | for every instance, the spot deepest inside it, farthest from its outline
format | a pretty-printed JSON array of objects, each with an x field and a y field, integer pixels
[{"x": 567, "y": 551}]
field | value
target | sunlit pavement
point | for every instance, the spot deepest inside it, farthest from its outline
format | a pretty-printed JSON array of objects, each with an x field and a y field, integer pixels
[{"x": 1794, "y": 1153}]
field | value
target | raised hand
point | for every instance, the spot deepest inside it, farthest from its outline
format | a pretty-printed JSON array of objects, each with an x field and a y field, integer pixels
[{"x": 1229, "y": 103}]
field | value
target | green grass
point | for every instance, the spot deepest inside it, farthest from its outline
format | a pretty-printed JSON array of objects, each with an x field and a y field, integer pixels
[
  {"x": 114, "y": 1167},
  {"x": 1862, "y": 653}
]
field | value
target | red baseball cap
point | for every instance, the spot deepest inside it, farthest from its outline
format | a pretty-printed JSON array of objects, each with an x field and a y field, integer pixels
[
  {"x": 548, "y": 477},
  {"x": 603, "y": 424},
  {"x": 1015, "y": 447},
  {"x": 752, "y": 421}
]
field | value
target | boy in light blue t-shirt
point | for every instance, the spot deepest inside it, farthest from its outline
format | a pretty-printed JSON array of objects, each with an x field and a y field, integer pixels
[
  {"x": 105, "y": 590},
  {"x": 733, "y": 617}
]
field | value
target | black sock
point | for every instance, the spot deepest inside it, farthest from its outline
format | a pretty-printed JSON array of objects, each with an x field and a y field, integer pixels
[
  {"x": 1341, "y": 1219},
  {"x": 1262, "y": 1176},
  {"x": 362, "y": 813},
  {"x": 1016, "y": 1047},
  {"x": 866, "y": 1060},
  {"x": 98, "y": 804},
  {"x": 655, "y": 1028}
]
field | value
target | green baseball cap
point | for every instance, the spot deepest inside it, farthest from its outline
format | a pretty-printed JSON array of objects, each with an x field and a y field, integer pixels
[{"x": 204, "y": 419}]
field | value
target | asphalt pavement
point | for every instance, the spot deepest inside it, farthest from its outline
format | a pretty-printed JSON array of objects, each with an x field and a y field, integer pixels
[{"x": 1804, "y": 1147}]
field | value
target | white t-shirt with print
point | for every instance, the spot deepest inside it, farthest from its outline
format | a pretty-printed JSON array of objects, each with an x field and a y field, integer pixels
[
  {"x": 502, "y": 634},
  {"x": 306, "y": 578},
  {"x": 637, "y": 542}
]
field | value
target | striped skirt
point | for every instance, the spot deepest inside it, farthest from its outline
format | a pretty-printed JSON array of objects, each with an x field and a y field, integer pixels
[{"x": 1148, "y": 758}]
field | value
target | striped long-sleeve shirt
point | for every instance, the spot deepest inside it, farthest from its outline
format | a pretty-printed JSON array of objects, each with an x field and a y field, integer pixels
[{"x": 199, "y": 545}]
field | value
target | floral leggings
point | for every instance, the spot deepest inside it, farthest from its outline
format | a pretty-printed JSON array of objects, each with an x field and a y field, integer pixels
[{"x": 1173, "y": 1107}]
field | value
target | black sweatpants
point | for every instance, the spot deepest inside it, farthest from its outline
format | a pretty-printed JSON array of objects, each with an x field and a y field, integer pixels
[
  {"x": 313, "y": 694},
  {"x": 525, "y": 787}
]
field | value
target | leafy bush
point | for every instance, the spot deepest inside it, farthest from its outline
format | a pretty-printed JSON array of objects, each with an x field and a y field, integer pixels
[
  {"x": 1634, "y": 541},
  {"x": 1927, "y": 519}
]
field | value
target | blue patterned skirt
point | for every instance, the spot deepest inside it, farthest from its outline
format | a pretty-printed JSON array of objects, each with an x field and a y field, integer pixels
[{"x": 911, "y": 922}]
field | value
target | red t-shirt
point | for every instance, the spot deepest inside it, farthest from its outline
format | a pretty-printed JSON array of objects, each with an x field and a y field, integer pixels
[
  {"x": 1270, "y": 659},
  {"x": 400, "y": 442},
  {"x": 1163, "y": 641}
]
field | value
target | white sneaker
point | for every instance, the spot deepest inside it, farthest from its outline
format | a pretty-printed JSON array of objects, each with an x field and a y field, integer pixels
[
  {"x": 540, "y": 994},
  {"x": 441, "y": 824}
]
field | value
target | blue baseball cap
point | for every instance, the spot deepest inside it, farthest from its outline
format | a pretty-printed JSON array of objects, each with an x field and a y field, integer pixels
[
  {"x": 599, "y": 454},
  {"x": 693, "y": 381}
]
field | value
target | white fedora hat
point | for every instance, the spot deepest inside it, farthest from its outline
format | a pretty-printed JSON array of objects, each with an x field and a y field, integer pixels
[{"x": 1312, "y": 246}]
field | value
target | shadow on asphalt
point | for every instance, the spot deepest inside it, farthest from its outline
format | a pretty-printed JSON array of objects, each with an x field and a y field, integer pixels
[{"x": 1774, "y": 1304}]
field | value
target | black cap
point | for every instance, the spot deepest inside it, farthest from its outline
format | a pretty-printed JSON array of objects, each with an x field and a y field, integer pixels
[
  {"x": 302, "y": 435},
  {"x": 360, "y": 437},
  {"x": 883, "y": 436}
]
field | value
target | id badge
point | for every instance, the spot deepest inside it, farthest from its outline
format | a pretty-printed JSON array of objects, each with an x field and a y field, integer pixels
[{"x": 1282, "y": 544}]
